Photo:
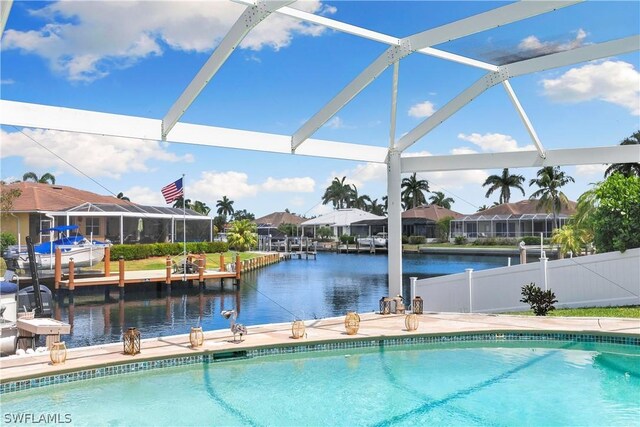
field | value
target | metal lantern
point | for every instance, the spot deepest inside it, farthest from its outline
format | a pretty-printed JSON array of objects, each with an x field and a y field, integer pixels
[
  {"x": 399, "y": 304},
  {"x": 411, "y": 322},
  {"x": 58, "y": 353},
  {"x": 297, "y": 329},
  {"x": 196, "y": 337},
  {"x": 352, "y": 323},
  {"x": 131, "y": 340},
  {"x": 385, "y": 305},
  {"x": 418, "y": 305}
]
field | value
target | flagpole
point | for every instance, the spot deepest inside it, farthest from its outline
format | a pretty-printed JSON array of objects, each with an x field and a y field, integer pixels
[{"x": 184, "y": 229}]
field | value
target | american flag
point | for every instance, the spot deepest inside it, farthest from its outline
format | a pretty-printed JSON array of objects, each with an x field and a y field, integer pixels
[{"x": 173, "y": 191}]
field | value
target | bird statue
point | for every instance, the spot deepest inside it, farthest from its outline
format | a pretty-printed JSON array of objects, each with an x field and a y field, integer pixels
[{"x": 236, "y": 328}]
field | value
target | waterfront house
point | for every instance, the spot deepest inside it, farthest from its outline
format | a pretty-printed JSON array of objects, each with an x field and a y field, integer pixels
[
  {"x": 268, "y": 224},
  {"x": 40, "y": 206},
  {"x": 340, "y": 221},
  {"x": 524, "y": 218},
  {"x": 422, "y": 220}
]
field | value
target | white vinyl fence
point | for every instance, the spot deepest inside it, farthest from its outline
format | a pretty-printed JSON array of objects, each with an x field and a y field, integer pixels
[{"x": 606, "y": 279}]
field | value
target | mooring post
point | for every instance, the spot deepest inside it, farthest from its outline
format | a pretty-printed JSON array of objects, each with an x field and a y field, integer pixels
[
  {"x": 167, "y": 279},
  {"x": 121, "y": 277},
  {"x": 107, "y": 261},
  {"x": 222, "y": 266},
  {"x": 58, "y": 269},
  {"x": 238, "y": 266},
  {"x": 201, "y": 269},
  {"x": 72, "y": 267}
]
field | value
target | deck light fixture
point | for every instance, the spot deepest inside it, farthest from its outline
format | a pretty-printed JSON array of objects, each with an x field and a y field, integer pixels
[
  {"x": 417, "y": 305},
  {"x": 297, "y": 329},
  {"x": 131, "y": 340},
  {"x": 58, "y": 353},
  {"x": 196, "y": 337},
  {"x": 411, "y": 322},
  {"x": 352, "y": 323}
]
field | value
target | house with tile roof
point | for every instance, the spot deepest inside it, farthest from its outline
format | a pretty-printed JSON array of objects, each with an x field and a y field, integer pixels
[
  {"x": 40, "y": 206},
  {"x": 341, "y": 222},
  {"x": 268, "y": 224},
  {"x": 524, "y": 218}
]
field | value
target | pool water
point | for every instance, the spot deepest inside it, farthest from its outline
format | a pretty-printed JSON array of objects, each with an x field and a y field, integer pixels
[
  {"x": 305, "y": 289},
  {"x": 434, "y": 384}
]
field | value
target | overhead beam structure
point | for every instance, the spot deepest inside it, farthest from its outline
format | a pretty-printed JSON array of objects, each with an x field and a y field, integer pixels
[
  {"x": 455, "y": 30},
  {"x": 528, "y": 66},
  {"x": 524, "y": 117},
  {"x": 252, "y": 16},
  {"x": 522, "y": 159}
]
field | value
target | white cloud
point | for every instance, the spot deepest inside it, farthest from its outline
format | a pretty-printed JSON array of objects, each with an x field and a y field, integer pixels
[
  {"x": 532, "y": 43},
  {"x": 360, "y": 174},
  {"x": 617, "y": 82},
  {"x": 494, "y": 142},
  {"x": 7, "y": 81},
  {"x": 421, "y": 110},
  {"x": 450, "y": 180},
  {"x": 95, "y": 155},
  {"x": 145, "y": 196},
  {"x": 463, "y": 150},
  {"x": 79, "y": 40},
  {"x": 335, "y": 123},
  {"x": 289, "y": 185},
  {"x": 591, "y": 170},
  {"x": 212, "y": 185}
]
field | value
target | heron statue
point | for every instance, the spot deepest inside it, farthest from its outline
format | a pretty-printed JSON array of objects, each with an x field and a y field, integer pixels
[{"x": 236, "y": 328}]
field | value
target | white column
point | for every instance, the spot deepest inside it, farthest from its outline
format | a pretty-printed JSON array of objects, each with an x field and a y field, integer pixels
[
  {"x": 413, "y": 281},
  {"x": 121, "y": 229},
  {"x": 395, "y": 223},
  {"x": 470, "y": 283},
  {"x": 543, "y": 272}
]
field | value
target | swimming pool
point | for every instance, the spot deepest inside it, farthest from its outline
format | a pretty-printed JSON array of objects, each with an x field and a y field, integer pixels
[{"x": 465, "y": 383}]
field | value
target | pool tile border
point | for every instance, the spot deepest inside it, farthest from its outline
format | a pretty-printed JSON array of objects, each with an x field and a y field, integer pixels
[{"x": 86, "y": 374}]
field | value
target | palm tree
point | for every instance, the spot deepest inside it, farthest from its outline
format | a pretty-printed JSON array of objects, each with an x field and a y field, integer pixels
[
  {"x": 357, "y": 201},
  {"x": 181, "y": 201},
  {"x": 242, "y": 235},
  {"x": 550, "y": 180},
  {"x": 338, "y": 193},
  {"x": 47, "y": 178},
  {"x": 376, "y": 208},
  {"x": 504, "y": 183},
  {"x": 483, "y": 208},
  {"x": 201, "y": 207},
  {"x": 121, "y": 196},
  {"x": 570, "y": 238},
  {"x": 225, "y": 206},
  {"x": 440, "y": 199},
  {"x": 626, "y": 169},
  {"x": 413, "y": 191}
]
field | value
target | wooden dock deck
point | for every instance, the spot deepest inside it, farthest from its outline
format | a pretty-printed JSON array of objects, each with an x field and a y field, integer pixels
[{"x": 145, "y": 276}]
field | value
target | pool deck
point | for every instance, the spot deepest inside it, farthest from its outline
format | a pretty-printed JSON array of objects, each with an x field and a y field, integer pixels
[{"x": 372, "y": 326}]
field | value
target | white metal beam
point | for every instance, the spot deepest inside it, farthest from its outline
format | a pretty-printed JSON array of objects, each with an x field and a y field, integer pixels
[
  {"x": 442, "y": 114},
  {"x": 524, "y": 117},
  {"x": 575, "y": 56},
  {"x": 394, "y": 106},
  {"x": 22, "y": 114},
  {"x": 522, "y": 159},
  {"x": 484, "y": 21},
  {"x": 251, "y": 17},
  {"x": 394, "y": 223},
  {"x": 5, "y": 10}
]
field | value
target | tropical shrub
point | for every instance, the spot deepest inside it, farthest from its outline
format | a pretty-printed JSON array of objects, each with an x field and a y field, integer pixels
[
  {"x": 345, "y": 239},
  {"x": 442, "y": 228},
  {"x": 616, "y": 219},
  {"x": 324, "y": 232},
  {"x": 242, "y": 235},
  {"x": 541, "y": 302},
  {"x": 494, "y": 241},
  {"x": 7, "y": 239},
  {"x": 534, "y": 240},
  {"x": 570, "y": 239},
  {"x": 460, "y": 240},
  {"x": 417, "y": 240},
  {"x": 405, "y": 239}
]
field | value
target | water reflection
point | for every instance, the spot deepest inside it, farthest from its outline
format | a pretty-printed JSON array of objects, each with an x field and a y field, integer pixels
[{"x": 306, "y": 289}]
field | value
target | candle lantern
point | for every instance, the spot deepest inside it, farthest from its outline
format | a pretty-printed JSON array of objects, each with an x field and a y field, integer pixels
[
  {"x": 418, "y": 305},
  {"x": 196, "y": 337},
  {"x": 411, "y": 322},
  {"x": 385, "y": 305},
  {"x": 131, "y": 340},
  {"x": 58, "y": 353},
  {"x": 352, "y": 323},
  {"x": 297, "y": 329}
]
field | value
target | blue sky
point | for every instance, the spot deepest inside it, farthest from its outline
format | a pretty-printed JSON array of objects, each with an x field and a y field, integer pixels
[{"x": 137, "y": 57}]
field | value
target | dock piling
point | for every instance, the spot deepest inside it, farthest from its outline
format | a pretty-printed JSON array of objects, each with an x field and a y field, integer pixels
[
  {"x": 58, "y": 269},
  {"x": 107, "y": 261},
  {"x": 238, "y": 267},
  {"x": 222, "y": 266},
  {"x": 168, "y": 270},
  {"x": 201, "y": 261},
  {"x": 121, "y": 277}
]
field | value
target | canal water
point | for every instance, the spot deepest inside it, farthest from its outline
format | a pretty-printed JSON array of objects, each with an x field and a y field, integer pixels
[{"x": 303, "y": 289}]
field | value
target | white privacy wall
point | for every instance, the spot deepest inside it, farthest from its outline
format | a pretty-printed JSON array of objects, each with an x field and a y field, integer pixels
[{"x": 611, "y": 278}]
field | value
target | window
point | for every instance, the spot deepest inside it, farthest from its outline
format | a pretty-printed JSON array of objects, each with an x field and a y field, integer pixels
[{"x": 92, "y": 226}]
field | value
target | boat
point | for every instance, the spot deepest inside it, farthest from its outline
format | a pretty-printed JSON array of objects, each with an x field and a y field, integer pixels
[
  {"x": 83, "y": 251},
  {"x": 8, "y": 317},
  {"x": 379, "y": 240}
]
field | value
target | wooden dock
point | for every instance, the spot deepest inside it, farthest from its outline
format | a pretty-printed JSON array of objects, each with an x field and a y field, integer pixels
[{"x": 145, "y": 276}]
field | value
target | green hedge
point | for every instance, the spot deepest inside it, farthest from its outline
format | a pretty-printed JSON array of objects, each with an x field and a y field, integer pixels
[
  {"x": 495, "y": 241},
  {"x": 346, "y": 239},
  {"x": 534, "y": 240},
  {"x": 417, "y": 240},
  {"x": 142, "y": 251}
]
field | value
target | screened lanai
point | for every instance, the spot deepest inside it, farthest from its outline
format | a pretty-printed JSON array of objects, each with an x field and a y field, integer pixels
[
  {"x": 509, "y": 226},
  {"x": 452, "y": 38}
]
